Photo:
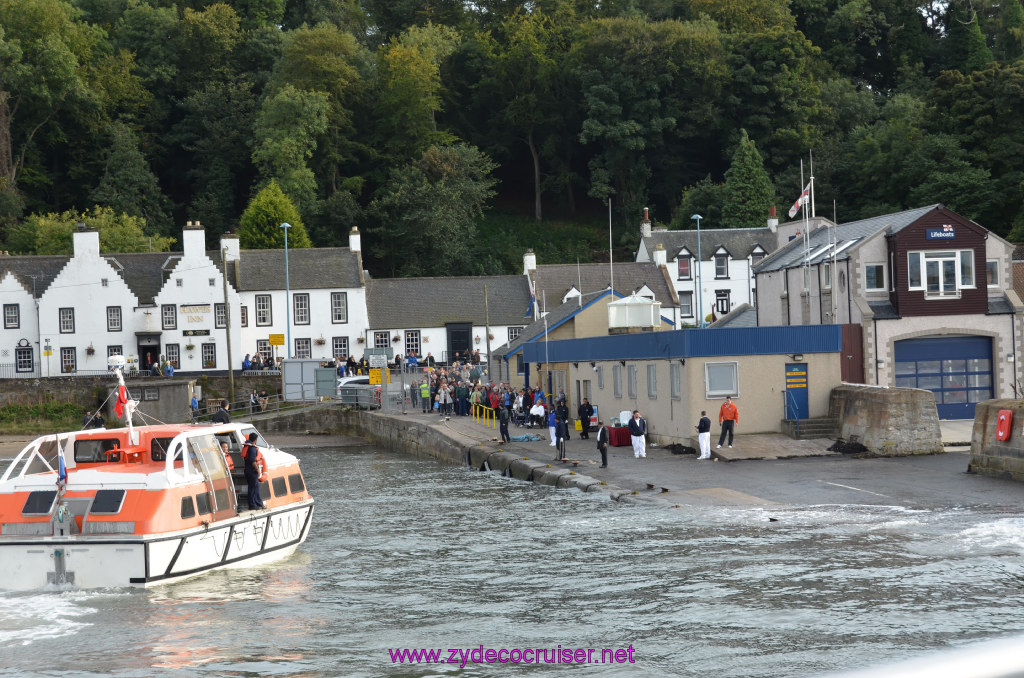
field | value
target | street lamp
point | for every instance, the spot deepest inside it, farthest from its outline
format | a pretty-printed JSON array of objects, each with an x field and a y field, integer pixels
[
  {"x": 287, "y": 295},
  {"x": 700, "y": 303}
]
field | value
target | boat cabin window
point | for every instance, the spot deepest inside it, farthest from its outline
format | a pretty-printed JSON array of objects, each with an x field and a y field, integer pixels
[
  {"x": 265, "y": 489},
  {"x": 188, "y": 508},
  {"x": 95, "y": 450},
  {"x": 260, "y": 442},
  {"x": 107, "y": 501},
  {"x": 203, "y": 503},
  {"x": 295, "y": 481},
  {"x": 221, "y": 495},
  {"x": 158, "y": 448},
  {"x": 280, "y": 488},
  {"x": 39, "y": 503}
]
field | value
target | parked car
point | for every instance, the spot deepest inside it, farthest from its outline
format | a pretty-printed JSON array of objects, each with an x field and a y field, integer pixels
[{"x": 358, "y": 392}]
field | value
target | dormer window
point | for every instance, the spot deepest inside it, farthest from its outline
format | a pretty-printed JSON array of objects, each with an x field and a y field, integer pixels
[
  {"x": 756, "y": 256},
  {"x": 685, "y": 270},
  {"x": 721, "y": 266}
]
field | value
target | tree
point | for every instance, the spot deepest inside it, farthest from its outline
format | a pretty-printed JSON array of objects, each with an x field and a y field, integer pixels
[
  {"x": 427, "y": 209},
  {"x": 260, "y": 225},
  {"x": 1010, "y": 38},
  {"x": 127, "y": 185},
  {"x": 978, "y": 53},
  {"x": 748, "y": 190},
  {"x": 53, "y": 233},
  {"x": 704, "y": 198}
]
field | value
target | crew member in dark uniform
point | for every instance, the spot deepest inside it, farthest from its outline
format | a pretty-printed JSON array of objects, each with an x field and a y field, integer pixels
[
  {"x": 255, "y": 471},
  {"x": 602, "y": 443},
  {"x": 586, "y": 411}
]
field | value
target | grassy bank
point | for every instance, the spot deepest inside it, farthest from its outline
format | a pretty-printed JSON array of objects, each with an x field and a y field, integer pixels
[{"x": 40, "y": 418}]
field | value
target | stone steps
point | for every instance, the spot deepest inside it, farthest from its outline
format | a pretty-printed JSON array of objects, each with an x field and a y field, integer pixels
[{"x": 821, "y": 427}]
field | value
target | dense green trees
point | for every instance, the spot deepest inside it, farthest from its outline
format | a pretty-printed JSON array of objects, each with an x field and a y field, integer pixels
[{"x": 409, "y": 119}]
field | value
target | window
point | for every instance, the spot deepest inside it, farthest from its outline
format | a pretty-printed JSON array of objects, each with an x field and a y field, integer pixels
[
  {"x": 151, "y": 393},
  {"x": 412, "y": 341},
  {"x": 631, "y": 381},
  {"x": 12, "y": 316},
  {"x": 169, "y": 316},
  {"x": 67, "y": 321},
  {"x": 173, "y": 355},
  {"x": 264, "y": 312},
  {"x": 513, "y": 333},
  {"x": 686, "y": 304},
  {"x": 685, "y": 271},
  {"x": 280, "y": 486},
  {"x": 220, "y": 315},
  {"x": 785, "y": 282},
  {"x": 945, "y": 273},
  {"x": 300, "y": 308},
  {"x": 584, "y": 386},
  {"x": 617, "y": 381},
  {"x": 303, "y": 348},
  {"x": 966, "y": 268},
  {"x": 113, "y": 318},
  {"x": 114, "y": 350},
  {"x": 600, "y": 377},
  {"x": 721, "y": 265},
  {"x": 103, "y": 282},
  {"x": 244, "y": 316},
  {"x": 721, "y": 379},
  {"x": 67, "y": 360},
  {"x": 213, "y": 282},
  {"x": 339, "y": 307},
  {"x": 339, "y": 347},
  {"x": 756, "y": 257},
  {"x": 23, "y": 360},
  {"x": 914, "y": 271},
  {"x": 992, "y": 273},
  {"x": 263, "y": 348},
  {"x": 826, "y": 275},
  {"x": 381, "y": 340},
  {"x": 652, "y": 382},
  {"x": 209, "y": 355},
  {"x": 295, "y": 483},
  {"x": 874, "y": 277},
  {"x": 520, "y": 369},
  {"x": 722, "y": 302},
  {"x": 674, "y": 381},
  {"x": 178, "y": 283}
]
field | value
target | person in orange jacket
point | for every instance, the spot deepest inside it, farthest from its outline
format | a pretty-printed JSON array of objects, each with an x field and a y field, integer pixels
[
  {"x": 728, "y": 417},
  {"x": 255, "y": 471}
]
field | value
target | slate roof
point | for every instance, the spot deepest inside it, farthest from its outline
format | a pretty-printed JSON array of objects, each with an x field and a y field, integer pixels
[
  {"x": 743, "y": 315},
  {"x": 740, "y": 242},
  {"x": 145, "y": 272},
  {"x": 433, "y": 302},
  {"x": 558, "y": 279},
  {"x": 999, "y": 306},
  {"x": 847, "y": 235},
  {"x": 553, "y": 319},
  {"x": 44, "y": 267},
  {"x": 883, "y": 310},
  {"x": 308, "y": 269}
]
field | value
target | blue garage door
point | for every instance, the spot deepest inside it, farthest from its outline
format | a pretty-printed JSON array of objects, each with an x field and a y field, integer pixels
[{"x": 957, "y": 369}]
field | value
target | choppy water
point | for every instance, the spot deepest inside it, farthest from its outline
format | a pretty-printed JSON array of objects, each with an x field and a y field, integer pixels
[{"x": 406, "y": 553}]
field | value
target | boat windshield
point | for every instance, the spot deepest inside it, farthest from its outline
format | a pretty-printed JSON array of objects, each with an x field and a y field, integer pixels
[{"x": 95, "y": 450}]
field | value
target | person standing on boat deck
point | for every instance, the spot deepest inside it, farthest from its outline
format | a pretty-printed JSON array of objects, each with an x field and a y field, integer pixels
[
  {"x": 602, "y": 443},
  {"x": 728, "y": 417},
  {"x": 221, "y": 416},
  {"x": 704, "y": 435},
  {"x": 637, "y": 431},
  {"x": 255, "y": 471}
]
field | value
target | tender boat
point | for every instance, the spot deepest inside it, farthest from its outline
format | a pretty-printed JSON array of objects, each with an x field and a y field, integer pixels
[{"x": 144, "y": 505}]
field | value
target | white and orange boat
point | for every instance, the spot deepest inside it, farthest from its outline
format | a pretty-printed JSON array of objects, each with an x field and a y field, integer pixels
[{"x": 144, "y": 505}]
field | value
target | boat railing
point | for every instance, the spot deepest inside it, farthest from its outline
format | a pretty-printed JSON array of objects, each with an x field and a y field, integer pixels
[{"x": 31, "y": 461}]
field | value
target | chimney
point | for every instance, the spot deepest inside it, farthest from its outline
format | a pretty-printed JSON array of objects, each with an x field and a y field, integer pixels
[
  {"x": 660, "y": 257},
  {"x": 354, "y": 242},
  {"x": 645, "y": 225},
  {"x": 229, "y": 241},
  {"x": 529, "y": 262},
  {"x": 86, "y": 242},
  {"x": 773, "y": 221},
  {"x": 193, "y": 239}
]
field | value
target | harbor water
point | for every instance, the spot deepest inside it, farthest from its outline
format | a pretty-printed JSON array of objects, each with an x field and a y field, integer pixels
[{"x": 408, "y": 553}]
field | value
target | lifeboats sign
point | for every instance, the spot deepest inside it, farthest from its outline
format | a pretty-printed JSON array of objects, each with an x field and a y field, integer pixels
[
  {"x": 944, "y": 232},
  {"x": 195, "y": 313}
]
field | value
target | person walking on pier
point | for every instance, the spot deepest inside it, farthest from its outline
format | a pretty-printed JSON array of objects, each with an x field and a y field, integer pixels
[
  {"x": 728, "y": 417},
  {"x": 602, "y": 443},
  {"x": 585, "y": 412},
  {"x": 637, "y": 431},
  {"x": 704, "y": 435}
]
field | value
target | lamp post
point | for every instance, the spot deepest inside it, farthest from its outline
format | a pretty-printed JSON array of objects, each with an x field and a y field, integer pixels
[
  {"x": 700, "y": 294},
  {"x": 287, "y": 296}
]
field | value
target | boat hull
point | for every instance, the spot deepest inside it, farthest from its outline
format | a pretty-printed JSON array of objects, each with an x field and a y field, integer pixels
[{"x": 251, "y": 538}]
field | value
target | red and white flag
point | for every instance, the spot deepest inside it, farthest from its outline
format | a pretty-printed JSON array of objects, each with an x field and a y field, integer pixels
[
  {"x": 802, "y": 200},
  {"x": 122, "y": 400}
]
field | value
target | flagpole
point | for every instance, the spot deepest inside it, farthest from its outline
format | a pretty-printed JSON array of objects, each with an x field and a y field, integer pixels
[
  {"x": 611, "y": 268},
  {"x": 813, "y": 213},
  {"x": 807, "y": 239}
]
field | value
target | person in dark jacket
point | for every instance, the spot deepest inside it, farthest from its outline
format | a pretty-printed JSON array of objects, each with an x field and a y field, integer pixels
[
  {"x": 602, "y": 443},
  {"x": 704, "y": 435},
  {"x": 221, "y": 416},
  {"x": 255, "y": 471},
  {"x": 562, "y": 410},
  {"x": 585, "y": 412},
  {"x": 561, "y": 431},
  {"x": 637, "y": 432},
  {"x": 503, "y": 425}
]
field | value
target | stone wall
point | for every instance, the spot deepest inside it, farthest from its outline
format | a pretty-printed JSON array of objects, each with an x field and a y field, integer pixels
[
  {"x": 991, "y": 457},
  {"x": 890, "y": 422}
]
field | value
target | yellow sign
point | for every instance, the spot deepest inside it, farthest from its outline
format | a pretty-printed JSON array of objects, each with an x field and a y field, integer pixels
[
  {"x": 375, "y": 377},
  {"x": 276, "y": 340}
]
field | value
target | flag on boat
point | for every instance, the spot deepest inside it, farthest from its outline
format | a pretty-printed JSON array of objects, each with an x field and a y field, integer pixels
[
  {"x": 62, "y": 466},
  {"x": 122, "y": 400},
  {"x": 802, "y": 200}
]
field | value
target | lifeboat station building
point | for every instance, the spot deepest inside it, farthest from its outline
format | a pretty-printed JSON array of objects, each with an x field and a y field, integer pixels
[{"x": 929, "y": 291}]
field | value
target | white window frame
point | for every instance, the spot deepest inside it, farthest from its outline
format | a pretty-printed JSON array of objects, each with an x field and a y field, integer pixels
[
  {"x": 723, "y": 301},
  {"x": 339, "y": 307},
  {"x": 880, "y": 265},
  {"x": 264, "y": 348},
  {"x": 412, "y": 342},
  {"x": 169, "y": 317},
  {"x": 381, "y": 339},
  {"x": 209, "y": 355},
  {"x": 721, "y": 266},
  {"x": 114, "y": 349},
  {"x": 686, "y": 304},
  {"x": 728, "y": 370},
  {"x": 114, "y": 319},
  {"x": 173, "y": 355},
  {"x": 68, "y": 359},
  {"x": 24, "y": 361},
  {"x": 914, "y": 258},
  {"x": 264, "y": 310},
  {"x": 992, "y": 267},
  {"x": 300, "y": 308},
  {"x": 652, "y": 382},
  {"x": 339, "y": 347},
  {"x": 934, "y": 262},
  {"x": 689, "y": 268},
  {"x": 243, "y": 315},
  {"x": 67, "y": 320},
  {"x": 826, "y": 275},
  {"x": 12, "y": 316},
  {"x": 513, "y": 333},
  {"x": 220, "y": 315},
  {"x": 303, "y": 348}
]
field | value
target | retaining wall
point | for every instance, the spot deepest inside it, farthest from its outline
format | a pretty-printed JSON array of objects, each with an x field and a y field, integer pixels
[
  {"x": 991, "y": 457},
  {"x": 889, "y": 422}
]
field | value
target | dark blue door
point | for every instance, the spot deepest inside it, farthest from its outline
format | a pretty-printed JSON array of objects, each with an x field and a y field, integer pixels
[
  {"x": 958, "y": 370},
  {"x": 796, "y": 391}
]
